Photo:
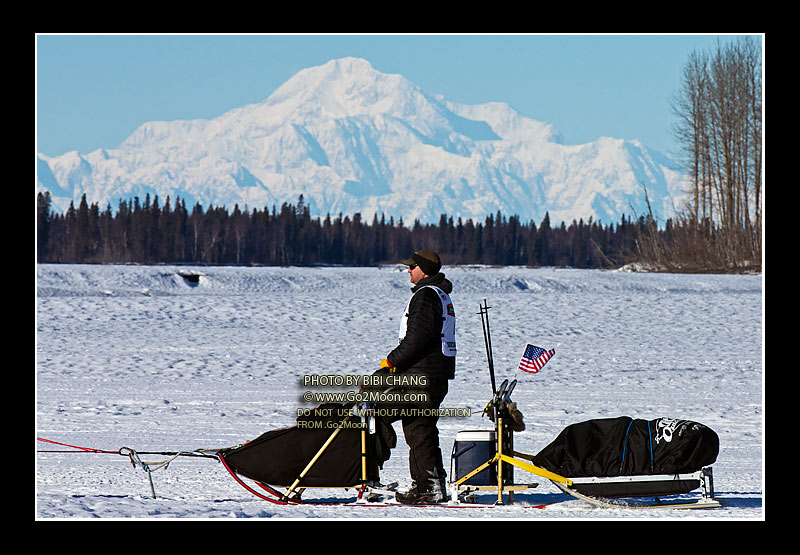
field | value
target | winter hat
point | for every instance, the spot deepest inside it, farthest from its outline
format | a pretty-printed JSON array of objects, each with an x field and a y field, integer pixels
[{"x": 428, "y": 261}]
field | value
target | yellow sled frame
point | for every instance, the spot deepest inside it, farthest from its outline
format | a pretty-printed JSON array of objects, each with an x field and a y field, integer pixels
[
  {"x": 457, "y": 486},
  {"x": 295, "y": 486},
  {"x": 505, "y": 444},
  {"x": 499, "y": 457}
]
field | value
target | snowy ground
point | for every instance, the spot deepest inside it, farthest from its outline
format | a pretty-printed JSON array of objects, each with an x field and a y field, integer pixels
[{"x": 138, "y": 357}]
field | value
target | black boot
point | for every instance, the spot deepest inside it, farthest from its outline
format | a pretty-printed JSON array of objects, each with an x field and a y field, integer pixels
[{"x": 425, "y": 492}]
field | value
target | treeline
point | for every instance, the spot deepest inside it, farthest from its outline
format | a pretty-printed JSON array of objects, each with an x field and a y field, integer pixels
[
  {"x": 151, "y": 233},
  {"x": 719, "y": 129}
]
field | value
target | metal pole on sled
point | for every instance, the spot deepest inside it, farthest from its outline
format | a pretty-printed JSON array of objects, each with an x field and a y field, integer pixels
[
  {"x": 487, "y": 339},
  {"x": 501, "y": 453},
  {"x": 322, "y": 449},
  {"x": 313, "y": 461}
]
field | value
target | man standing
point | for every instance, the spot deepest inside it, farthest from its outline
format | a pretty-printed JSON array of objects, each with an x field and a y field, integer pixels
[{"x": 425, "y": 357}]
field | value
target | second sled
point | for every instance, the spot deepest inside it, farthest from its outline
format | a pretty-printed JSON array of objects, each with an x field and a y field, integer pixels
[
  {"x": 604, "y": 462},
  {"x": 502, "y": 466}
]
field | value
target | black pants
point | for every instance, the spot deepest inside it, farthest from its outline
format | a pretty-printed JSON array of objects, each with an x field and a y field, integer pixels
[{"x": 422, "y": 436}]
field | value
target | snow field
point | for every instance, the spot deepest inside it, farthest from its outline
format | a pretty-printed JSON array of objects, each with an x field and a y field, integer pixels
[{"x": 137, "y": 356}]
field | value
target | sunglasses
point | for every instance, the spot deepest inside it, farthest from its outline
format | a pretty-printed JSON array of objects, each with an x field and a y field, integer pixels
[{"x": 411, "y": 267}]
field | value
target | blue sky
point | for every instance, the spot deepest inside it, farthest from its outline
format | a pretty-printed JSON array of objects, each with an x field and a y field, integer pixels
[{"x": 93, "y": 91}]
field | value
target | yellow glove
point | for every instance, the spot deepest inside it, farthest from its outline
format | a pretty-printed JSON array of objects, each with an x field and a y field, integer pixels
[{"x": 386, "y": 364}]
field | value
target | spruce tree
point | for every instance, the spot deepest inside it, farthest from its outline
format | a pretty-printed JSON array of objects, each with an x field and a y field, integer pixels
[{"x": 43, "y": 218}]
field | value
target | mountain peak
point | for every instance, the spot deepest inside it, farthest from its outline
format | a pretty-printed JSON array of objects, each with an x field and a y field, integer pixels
[
  {"x": 348, "y": 66},
  {"x": 343, "y": 87},
  {"x": 350, "y": 138}
]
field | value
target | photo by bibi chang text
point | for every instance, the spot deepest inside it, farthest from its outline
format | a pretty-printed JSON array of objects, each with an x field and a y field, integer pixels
[{"x": 381, "y": 380}]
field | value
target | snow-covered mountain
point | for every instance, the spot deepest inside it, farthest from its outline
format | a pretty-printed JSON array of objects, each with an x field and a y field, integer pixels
[{"x": 352, "y": 139}]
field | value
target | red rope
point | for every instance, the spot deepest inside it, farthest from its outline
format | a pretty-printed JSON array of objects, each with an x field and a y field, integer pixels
[{"x": 80, "y": 449}]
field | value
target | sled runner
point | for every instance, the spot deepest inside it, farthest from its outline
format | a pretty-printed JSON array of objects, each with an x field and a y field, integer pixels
[{"x": 610, "y": 492}]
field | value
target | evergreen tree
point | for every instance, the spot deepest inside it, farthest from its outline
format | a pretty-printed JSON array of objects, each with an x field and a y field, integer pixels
[
  {"x": 43, "y": 202},
  {"x": 147, "y": 233},
  {"x": 80, "y": 243},
  {"x": 542, "y": 245}
]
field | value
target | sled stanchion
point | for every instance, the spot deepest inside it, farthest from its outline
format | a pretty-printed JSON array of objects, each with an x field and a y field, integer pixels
[
  {"x": 313, "y": 461},
  {"x": 499, "y": 461},
  {"x": 504, "y": 452},
  {"x": 364, "y": 456}
]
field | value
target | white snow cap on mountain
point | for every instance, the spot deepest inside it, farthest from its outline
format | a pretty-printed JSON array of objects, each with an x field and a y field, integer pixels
[{"x": 352, "y": 139}]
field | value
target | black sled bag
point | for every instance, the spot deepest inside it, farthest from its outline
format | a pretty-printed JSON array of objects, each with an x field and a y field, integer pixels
[
  {"x": 630, "y": 447},
  {"x": 278, "y": 457}
]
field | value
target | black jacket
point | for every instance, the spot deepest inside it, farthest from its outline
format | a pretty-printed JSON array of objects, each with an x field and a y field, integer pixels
[{"x": 420, "y": 352}]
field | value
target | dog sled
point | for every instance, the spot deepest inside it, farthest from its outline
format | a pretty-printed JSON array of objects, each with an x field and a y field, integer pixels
[
  {"x": 332, "y": 446},
  {"x": 605, "y": 462},
  {"x": 612, "y": 462}
]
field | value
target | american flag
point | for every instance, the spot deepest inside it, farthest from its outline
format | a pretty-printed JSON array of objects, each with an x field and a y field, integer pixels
[{"x": 535, "y": 358}]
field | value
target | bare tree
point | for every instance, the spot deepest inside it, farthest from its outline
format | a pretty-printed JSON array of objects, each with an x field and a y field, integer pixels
[{"x": 719, "y": 128}]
